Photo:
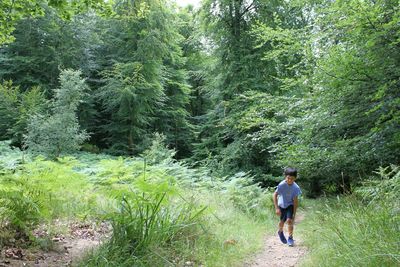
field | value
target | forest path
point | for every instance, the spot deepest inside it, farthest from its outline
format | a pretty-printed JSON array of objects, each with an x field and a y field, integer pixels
[{"x": 276, "y": 254}]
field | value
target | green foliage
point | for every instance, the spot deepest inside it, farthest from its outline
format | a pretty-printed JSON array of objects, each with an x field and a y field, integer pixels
[
  {"x": 197, "y": 60},
  {"x": 383, "y": 188},
  {"x": 360, "y": 229},
  {"x": 130, "y": 95},
  {"x": 158, "y": 153},
  {"x": 249, "y": 196},
  {"x": 10, "y": 157},
  {"x": 338, "y": 64},
  {"x": 15, "y": 108},
  {"x": 147, "y": 218},
  {"x": 12, "y": 11},
  {"x": 20, "y": 208},
  {"x": 9, "y": 95},
  {"x": 40, "y": 191},
  {"x": 46, "y": 45},
  {"x": 260, "y": 72},
  {"x": 145, "y": 89},
  {"x": 59, "y": 132},
  {"x": 67, "y": 193},
  {"x": 31, "y": 102},
  {"x": 160, "y": 213}
]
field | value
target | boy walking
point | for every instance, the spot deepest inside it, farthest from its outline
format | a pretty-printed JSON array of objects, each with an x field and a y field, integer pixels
[{"x": 286, "y": 202}]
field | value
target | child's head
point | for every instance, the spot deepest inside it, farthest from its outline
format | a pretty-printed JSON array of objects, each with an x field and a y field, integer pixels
[{"x": 290, "y": 175}]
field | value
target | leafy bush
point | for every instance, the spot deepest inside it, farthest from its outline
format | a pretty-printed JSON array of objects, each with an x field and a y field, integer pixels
[
  {"x": 68, "y": 193},
  {"x": 43, "y": 190},
  {"x": 383, "y": 188},
  {"x": 10, "y": 158}
]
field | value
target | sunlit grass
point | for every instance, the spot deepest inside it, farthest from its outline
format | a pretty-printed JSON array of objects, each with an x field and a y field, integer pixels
[
  {"x": 233, "y": 236},
  {"x": 346, "y": 232},
  {"x": 228, "y": 230}
]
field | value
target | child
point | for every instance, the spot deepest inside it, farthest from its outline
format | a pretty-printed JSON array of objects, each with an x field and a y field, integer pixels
[{"x": 286, "y": 204}]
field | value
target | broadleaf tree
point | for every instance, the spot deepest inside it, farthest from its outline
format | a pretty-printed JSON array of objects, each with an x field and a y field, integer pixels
[{"x": 59, "y": 131}]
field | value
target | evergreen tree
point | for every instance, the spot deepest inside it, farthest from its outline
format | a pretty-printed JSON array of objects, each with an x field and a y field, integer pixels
[
  {"x": 42, "y": 46},
  {"x": 150, "y": 92},
  {"x": 130, "y": 97}
]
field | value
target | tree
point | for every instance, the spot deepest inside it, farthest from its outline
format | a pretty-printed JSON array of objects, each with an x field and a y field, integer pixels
[
  {"x": 59, "y": 131},
  {"x": 9, "y": 96},
  {"x": 130, "y": 96},
  {"x": 351, "y": 127},
  {"x": 15, "y": 109},
  {"x": 197, "y": 61},
  {"x": 12, "y": 11},
  {"x": 254, "y": 43},
  {"x": 43, "y": 45},
  {"x": 146, "y": 80}
]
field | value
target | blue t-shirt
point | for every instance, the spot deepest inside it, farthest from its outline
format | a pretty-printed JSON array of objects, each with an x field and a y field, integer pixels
[{"x": 286, "y": 193}]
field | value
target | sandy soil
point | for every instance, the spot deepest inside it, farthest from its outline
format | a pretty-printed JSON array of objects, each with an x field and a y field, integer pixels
[{"x": 276, "y": 254}]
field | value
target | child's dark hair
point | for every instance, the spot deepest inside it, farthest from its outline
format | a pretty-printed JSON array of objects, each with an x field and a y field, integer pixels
[{"x": 291, "y": 171}]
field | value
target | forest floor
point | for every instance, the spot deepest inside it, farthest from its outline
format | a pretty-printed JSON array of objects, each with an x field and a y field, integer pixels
[
  {"x": 276, "y": 254},
  {"x": 66, "y": 249}
]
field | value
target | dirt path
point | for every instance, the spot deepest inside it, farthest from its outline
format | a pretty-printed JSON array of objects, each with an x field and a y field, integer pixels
[
  {"x": 66, "y": 249},
  {"x": 276, "y": 254}
]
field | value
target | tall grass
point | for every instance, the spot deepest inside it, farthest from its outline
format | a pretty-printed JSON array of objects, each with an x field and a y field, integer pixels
[
  {"x": 357, "y": 230},
  {"x": 147, "y": 220},
  {"x": 158, "y": 225},
  {"x": 233, "y": 234},
  {"x": 166, "y": 214}
]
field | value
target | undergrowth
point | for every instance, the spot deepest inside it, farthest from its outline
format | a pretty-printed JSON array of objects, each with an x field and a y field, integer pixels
[
  {"x": 360, "y": 229},
  {"x": 164, "y": 214}
]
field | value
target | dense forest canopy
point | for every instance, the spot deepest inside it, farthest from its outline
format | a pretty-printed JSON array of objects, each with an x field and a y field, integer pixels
[{"x": 234, "y": 86}]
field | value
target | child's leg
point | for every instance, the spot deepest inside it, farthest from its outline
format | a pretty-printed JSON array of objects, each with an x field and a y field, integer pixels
[
  {"x": 290, "y": 220},
  {"x": 280, "y": 225},
  {"x": 283, "y": 218},
  {"x": 290, "y": 226}
]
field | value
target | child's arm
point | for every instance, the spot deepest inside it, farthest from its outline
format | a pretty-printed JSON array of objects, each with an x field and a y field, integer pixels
[
  {"x": 275, "y": 198},
  {"x": 295, "y": 205}
]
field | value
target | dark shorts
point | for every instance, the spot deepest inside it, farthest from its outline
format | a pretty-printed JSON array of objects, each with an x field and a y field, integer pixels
[{"x": 286, "y": 213}]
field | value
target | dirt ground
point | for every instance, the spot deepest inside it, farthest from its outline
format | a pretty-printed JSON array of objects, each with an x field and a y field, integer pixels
[
  {"x": 66, "y": 248},
  {"x": 276, "y": 254}
]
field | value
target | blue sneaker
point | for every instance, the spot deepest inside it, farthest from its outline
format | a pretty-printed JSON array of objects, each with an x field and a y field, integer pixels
[
  {"x": 282, "y": 237},
  {"x": 290, "y": 241}
]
